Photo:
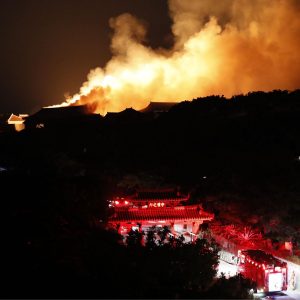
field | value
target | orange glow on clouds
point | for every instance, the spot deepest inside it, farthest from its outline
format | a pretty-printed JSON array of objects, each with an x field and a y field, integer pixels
[{"x": 221, "y": 47}]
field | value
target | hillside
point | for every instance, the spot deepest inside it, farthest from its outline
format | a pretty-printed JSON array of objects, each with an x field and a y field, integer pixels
[{"x": 238, "y": 156}]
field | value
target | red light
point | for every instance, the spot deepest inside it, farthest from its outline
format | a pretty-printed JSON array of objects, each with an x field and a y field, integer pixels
[
  {"x": 267, "y": 271},
  {"x": 126, "y": 202},
  {"x": 263, "y": 266},
  {"x": 117, "y": 202}
]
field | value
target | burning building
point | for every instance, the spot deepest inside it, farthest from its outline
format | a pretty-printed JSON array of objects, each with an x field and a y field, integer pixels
[
  {"x": 168, "y": 208},
  {"x": 158, "y": 108},
  {"x": 61, "y": 117},
  {"x": 17, "y": 121},
  {"x": 220, "y": 47}
]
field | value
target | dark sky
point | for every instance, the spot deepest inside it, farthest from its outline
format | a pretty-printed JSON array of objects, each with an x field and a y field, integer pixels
[{"x": 49, "y": 46}]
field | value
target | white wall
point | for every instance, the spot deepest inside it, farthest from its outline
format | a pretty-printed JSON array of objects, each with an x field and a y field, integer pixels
[{"x": 292, "y": 268}]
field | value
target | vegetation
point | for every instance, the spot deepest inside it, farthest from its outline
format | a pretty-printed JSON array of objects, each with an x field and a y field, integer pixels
[{"x": 238, "y": 157}]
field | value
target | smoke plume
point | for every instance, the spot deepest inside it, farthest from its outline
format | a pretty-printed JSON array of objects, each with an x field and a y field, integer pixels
[{"x": 221, "y": 47}]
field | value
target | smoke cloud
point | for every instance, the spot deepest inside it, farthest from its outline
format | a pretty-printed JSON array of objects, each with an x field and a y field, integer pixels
[{"x": 221, "y": 47}]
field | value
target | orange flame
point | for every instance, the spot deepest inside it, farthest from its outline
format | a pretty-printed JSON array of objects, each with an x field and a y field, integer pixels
[{"x": 221, "y": 47}]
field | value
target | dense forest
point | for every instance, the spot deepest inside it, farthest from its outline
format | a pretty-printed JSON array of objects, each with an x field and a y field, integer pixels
[{"x": 239, "y": 157}]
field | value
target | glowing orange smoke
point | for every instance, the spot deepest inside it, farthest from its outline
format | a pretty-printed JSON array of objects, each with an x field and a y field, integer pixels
[{"x": 221, "y": 47}]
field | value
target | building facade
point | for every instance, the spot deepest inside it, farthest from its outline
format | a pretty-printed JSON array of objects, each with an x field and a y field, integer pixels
[{"x": 168, "y": 208}]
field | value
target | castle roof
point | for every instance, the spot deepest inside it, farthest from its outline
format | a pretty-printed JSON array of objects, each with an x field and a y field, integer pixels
[
  {"x": 47, "y": 113},
  {"x": 192, "y": 212},
  {"x": 158, "y": 107}
]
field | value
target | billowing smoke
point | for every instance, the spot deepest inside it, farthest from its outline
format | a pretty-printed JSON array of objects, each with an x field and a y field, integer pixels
[{"x": 221, "y": 47}]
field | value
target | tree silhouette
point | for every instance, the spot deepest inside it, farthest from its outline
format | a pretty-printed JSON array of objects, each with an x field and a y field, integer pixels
[{"x": 134, "y": 238}]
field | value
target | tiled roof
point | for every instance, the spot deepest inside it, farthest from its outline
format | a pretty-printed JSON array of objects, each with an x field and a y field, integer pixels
[
  {"x": 167, "y": 213},
  {"x": 52, "y": 113},
  {"x": 158, "y": 107}
]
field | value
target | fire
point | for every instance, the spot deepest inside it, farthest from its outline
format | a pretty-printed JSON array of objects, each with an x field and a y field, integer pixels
[{"x": 221, "y": 47}]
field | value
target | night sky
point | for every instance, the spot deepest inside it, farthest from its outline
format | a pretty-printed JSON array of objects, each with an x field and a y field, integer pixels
[
  {"x": 49, "y": 46},
  {"x": 229, "y": 47}
]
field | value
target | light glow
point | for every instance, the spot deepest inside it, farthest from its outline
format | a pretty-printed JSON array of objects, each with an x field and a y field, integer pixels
[
  {"x": 275, "y": 282},
  {"x": 223, "y": 48}
]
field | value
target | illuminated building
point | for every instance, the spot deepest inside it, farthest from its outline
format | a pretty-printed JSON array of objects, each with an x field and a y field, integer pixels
[
  {"x": 60, "y": 117},
  {"x": 168, "y": 208},
  {"x": 17, "y": 121}
]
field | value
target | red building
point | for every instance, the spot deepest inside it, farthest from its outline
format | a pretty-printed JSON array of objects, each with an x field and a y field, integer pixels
[{"x": 158, "y": 208}]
